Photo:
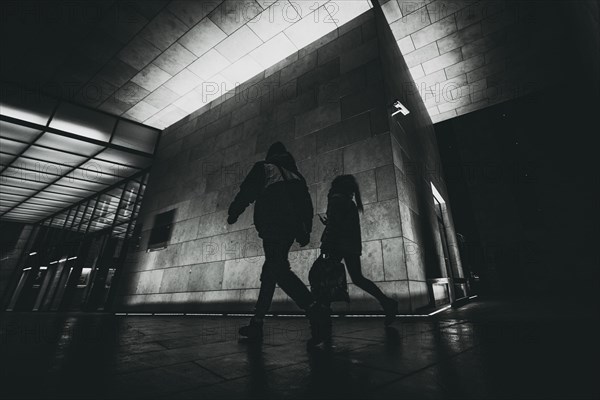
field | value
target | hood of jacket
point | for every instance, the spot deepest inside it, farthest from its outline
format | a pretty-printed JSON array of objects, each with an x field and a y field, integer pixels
[{"x": 284, "y": 160}]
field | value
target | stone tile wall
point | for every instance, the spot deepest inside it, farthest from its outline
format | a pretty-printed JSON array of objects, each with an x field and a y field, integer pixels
[{"x": 329, "y": 104}]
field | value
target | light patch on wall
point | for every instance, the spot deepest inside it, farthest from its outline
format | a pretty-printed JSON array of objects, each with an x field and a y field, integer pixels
[{"x": 437, "y": 195}]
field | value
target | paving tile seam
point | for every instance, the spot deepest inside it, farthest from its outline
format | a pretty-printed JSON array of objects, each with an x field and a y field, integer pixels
[
  {"x": 408, "y": 375},
  {"x": 152, "y": 366}
]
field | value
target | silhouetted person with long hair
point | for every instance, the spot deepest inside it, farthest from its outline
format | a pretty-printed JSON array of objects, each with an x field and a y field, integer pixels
[
  {"x": 283, "y": 212},
  {"x": 342, "y": 239}
]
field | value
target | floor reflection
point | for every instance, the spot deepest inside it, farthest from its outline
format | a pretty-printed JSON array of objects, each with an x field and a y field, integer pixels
[{"x": 462, "y": 353}]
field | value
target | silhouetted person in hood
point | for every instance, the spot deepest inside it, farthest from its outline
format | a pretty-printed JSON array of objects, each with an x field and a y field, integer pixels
[{"x": 283, "y": 212}]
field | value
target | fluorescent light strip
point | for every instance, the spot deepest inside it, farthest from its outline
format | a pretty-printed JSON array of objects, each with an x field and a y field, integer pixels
[
  {"x": 291, "y": 315},
  {"x": 169, "y": 314},
  {"x": 71, "y": 258},
  {"x": 439, "y": 311},
  {"x": 33, "y": 253}
]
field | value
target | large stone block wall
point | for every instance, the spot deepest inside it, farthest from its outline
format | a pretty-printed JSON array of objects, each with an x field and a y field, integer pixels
[
  {"x": 328, "y": 104},
  {"x": 466, "y": 55}
]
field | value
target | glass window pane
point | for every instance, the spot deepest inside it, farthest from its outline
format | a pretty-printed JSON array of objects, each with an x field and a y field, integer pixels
[
  {"x": 18, "y": 132},
  {"x": 83, "y": 121},
  {"x": 97, "y": 226},
  {"x": 124, "y": 158},
  {"x": 135, "y": 136},
  {"x": 11, "y": 147},
  {"x": 73, "y": 145},
  {"x": 27, "y": 106},
  {"x": 54, "y": 156},
  {"x": 120, "y": 230},
  {"x": 58, "y": 223}
]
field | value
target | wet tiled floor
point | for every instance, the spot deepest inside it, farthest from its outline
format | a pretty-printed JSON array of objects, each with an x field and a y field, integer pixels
[{"x": 482, "y": 350}]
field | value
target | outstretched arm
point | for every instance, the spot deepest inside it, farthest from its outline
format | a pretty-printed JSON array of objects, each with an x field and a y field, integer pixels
[{"x": 249, "y": 191}]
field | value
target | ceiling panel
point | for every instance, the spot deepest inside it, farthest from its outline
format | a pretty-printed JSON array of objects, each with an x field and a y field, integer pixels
[
  {"x": 67, "y": 198},
  {"x": 59, "y": 142},
  {"x": 70, "y": 191},
  {"x": 124, "y": 158},
  {"x": 83, "y": 122},
  {"x": 5, "y": 202},
  {"x": 96, "y": 176},
  {"x": 6, "y": 158},
  {"x": 80, "y": 184},
  {"x": 21, "y": 183},
  {"x": 27, "y": 106},
  {"x": 12, "y": 196},
  {"x": 30, "y": 175},
  {"x": 11, "y": 146},
  {"x": 48, "y": 202},
  {"x": 135, "y": 136},
  {"x": 175, "y": 50},
  {"x": 18, "y": 132},
  {"x": 96, "y": 165},
  {"x": 54, "y": 156},
  {"x": 6, "y": 188},
  {"x": 38, "y": 207}
]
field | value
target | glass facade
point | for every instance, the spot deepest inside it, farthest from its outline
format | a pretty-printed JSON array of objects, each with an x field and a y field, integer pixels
[{"x": 75, "y": 255}]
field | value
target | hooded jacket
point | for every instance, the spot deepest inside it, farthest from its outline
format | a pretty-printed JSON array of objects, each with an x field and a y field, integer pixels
[{"x": 283, "y": 206}]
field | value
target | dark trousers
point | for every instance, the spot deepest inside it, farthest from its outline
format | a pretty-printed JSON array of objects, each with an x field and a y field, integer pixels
[
  {"x": 276, "y": 271},
  {"x": 352, "y": 262},
  {"x": 353, "y": 266}
]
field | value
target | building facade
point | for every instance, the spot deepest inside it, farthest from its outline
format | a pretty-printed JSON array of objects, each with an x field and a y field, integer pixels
[{"x": 331, "y": 104}]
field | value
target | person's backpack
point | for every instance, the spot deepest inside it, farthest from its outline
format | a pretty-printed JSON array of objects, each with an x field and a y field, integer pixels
[{"x": 327, "y": 278}]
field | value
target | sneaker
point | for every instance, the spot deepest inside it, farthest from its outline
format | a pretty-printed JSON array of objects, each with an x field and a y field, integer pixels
[
  {"x": 253, "y": 331},
  {"x": 390, "y": 307}
]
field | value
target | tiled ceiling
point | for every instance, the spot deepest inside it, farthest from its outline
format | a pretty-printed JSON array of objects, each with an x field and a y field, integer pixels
[
  {"x": 54, "y": 154},
  {"x": 158, "y": 61}
]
